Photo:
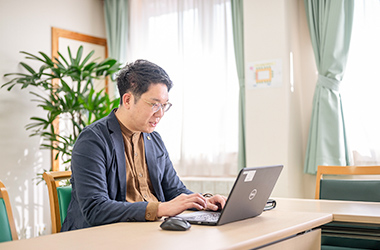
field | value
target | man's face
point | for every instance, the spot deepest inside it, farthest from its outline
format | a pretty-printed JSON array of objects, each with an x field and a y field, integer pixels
[{"x": 142, "y": 118}]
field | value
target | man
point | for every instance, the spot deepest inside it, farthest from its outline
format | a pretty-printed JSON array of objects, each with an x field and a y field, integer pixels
[{"x": 121, "y": 170}]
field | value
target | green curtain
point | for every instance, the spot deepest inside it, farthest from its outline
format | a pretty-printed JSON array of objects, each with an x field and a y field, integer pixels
[
  {"x": 238, "y": 33},
  {"x": 116, "y": 20},
  {"x": 330, "y": 26}
]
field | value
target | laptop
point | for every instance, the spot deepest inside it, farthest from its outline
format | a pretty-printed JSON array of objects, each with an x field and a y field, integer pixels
[{"x": 248, "y": 197}]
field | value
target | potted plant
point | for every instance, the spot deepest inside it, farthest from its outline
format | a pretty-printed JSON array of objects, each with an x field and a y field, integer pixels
[{"x": 64, "y": 88}]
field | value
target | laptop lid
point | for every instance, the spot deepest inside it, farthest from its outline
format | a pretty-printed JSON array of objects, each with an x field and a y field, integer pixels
[{"x": 248, "y": 196}]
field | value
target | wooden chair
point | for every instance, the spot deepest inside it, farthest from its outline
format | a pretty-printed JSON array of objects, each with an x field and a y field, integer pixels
[
  {"x": 59, "y": 197},
  {"x": 7, "y": 224},
  {"x": 354, "y": 190},
  {"x": 340, "y": 235}
]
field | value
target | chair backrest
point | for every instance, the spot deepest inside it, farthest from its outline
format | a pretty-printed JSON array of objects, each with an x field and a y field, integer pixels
[
  {"x": 59, "y": 197},
  {"x": 348, "y": 189},
  {"x": 7, "y": 224}
]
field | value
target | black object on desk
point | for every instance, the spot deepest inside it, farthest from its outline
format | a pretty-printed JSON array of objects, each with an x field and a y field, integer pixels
[{"x": 175, "y": 224}]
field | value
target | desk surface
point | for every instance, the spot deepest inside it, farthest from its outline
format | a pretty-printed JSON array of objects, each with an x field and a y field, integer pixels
[
  {"x": 344, "y": 211},
  {"x": 291, "y": 216}
]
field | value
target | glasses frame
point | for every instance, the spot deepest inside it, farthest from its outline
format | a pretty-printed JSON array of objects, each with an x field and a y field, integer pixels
[{"x": 164, "y": 107}]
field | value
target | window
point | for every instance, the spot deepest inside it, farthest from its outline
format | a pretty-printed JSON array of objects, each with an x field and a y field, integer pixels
[
  {"x": 192, "y": 41},
  {"x": 361, "y": 85}
]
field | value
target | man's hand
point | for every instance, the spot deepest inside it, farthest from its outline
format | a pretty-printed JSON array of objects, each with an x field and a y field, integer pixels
[
  {"x": 216, "y": 202},
  {"x": 181, "y": 203}
]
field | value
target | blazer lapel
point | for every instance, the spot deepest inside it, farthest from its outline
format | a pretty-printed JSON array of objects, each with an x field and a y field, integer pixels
[
  {"x": 150, "y": 156},
  {"x": 118, "y": 145}
]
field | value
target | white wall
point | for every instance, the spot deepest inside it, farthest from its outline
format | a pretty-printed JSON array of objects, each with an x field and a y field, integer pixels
[
  {"x": 277, "y": 119},
  {"x": 26, "y": 26}
]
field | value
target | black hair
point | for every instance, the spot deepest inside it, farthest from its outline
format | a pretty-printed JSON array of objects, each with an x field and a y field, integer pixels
[{"x": 136, "y": 78}]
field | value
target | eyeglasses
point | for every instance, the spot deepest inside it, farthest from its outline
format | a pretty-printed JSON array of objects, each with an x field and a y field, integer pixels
[{"x": 157, "y": 106}]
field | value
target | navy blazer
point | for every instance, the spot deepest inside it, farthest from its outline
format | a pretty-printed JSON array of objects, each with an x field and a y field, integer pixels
[{"x": 98, "y": 178}]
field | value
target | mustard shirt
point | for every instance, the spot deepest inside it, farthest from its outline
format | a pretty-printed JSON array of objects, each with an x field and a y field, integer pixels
[{"x": 139, "y": 186}]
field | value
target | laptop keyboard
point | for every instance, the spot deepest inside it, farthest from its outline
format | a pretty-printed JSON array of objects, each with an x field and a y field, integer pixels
[{"x": 204, "y": 216}]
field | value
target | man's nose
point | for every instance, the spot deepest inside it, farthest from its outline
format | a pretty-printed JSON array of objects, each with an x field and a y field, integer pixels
[{"x": 160, "y": 112}]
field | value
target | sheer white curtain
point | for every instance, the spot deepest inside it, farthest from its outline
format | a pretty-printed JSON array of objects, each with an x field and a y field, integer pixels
[
  {"x": 361, "y": 86},
  {"x": 192, "y": 41}
]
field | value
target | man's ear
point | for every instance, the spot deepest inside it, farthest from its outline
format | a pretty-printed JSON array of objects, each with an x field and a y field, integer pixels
[{"x": 127, "y": 100}]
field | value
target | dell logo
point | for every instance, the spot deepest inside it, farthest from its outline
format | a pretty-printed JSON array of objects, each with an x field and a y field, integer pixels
[{"x": 252, "y": 194}]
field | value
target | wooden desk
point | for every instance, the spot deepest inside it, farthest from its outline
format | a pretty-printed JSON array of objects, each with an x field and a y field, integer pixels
[
  {"x": 343, "y": 211},
  {"x": 290, "y": 217}
]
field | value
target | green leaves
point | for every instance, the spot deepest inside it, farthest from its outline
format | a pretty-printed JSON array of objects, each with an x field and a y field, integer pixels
[{"x": 63, "y": 89}]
